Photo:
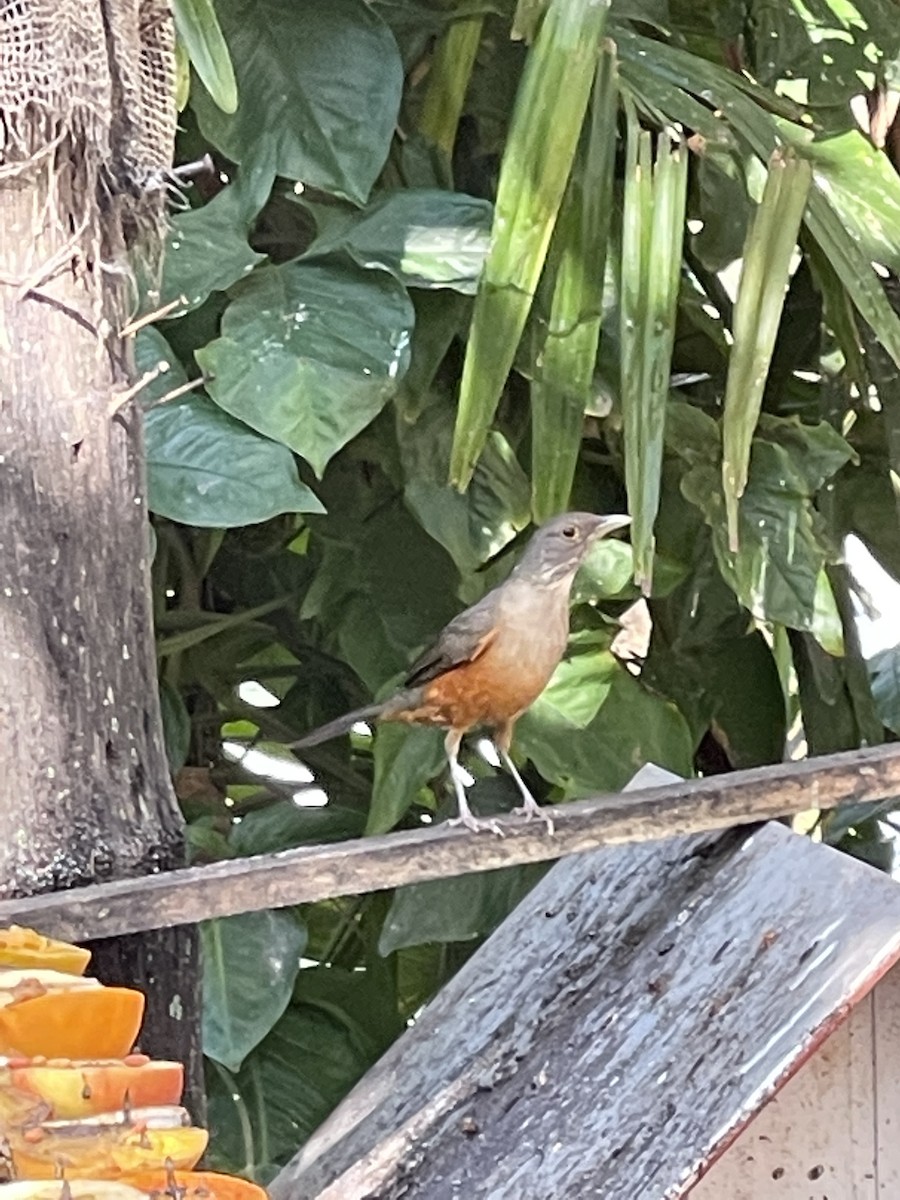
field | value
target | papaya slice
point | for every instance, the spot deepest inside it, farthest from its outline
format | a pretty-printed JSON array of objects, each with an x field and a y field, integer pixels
[
  {"x": 100, "y": 1022},
  {"x": 107, "y": 1147},
  {"x": 20, "y": 947},
  {"x": 77, "y": 1089},
  {"x": 193, "y": 1185},
  {"x": 76, "y": 1189}
]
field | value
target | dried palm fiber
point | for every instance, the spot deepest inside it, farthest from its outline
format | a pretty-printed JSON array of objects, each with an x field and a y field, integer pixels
[{"x": 87, "y": 96}]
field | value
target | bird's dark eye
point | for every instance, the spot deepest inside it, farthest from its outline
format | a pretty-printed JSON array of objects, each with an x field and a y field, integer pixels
[{"x": 570, "y": 532}]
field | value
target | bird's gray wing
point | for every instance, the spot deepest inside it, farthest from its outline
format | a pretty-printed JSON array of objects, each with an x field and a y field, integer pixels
[{"x": 462, "y": 640}]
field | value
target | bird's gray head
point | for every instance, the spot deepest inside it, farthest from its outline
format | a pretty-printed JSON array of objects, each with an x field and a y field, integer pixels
[{"x": 559, "y": 548}]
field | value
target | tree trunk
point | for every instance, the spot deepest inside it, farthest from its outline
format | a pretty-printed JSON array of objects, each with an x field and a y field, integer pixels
[{"x": 82, "y": 765}]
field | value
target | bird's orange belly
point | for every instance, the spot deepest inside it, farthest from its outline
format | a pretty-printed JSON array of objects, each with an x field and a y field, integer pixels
[{"x": 479, "y": 693}]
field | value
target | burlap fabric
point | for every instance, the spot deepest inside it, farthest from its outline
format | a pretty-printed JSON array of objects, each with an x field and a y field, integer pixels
[{"x": 89, "y": 83}]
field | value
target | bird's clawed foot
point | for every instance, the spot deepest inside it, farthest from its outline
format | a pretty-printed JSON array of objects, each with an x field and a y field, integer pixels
[
  {"x": 477, "y": 824},
  {"x": 531, "y": 810}
]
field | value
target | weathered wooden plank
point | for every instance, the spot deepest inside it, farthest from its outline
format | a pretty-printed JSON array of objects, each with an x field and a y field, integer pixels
[
  {"x": 410, "y": 856},
  {"x": 619, "y": 1029}
]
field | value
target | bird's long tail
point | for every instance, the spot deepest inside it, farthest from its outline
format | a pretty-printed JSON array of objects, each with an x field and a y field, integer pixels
[{"x": 338, "y": 726}]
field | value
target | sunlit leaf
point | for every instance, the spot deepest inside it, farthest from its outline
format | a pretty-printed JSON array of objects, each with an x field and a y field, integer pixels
[
  {"x": 279, "y": 367},
  {"x": 767, "y": 259},
  {"x": 427, "y": 238},
  {"x": 549, "y": 112},
  {"x": 198, "y": 28},
  {"x": 652, "y": 233},
  {"x": 562, "y": 385}
]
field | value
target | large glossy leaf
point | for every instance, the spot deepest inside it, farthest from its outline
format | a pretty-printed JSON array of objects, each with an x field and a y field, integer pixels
[
  {"x": 776, "y": 572},
  {"x": 207, "y": 248},
  {"x": 455, "y": 910},
  {"x": 426, "y": 237},
  {"x": 332, "y": 74},
  {"x": 205, "y": 468},
  {"x": 287, "y": 1087},
  {"x": 595, "y": 725},
  {"x": 285, "y": 824},
  {"x": 250, "y": 963},
  {"x": 310, "y": 353}
]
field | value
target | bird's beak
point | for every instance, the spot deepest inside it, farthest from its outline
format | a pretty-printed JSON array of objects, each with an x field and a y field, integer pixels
[{"x": 607, "y": 525}]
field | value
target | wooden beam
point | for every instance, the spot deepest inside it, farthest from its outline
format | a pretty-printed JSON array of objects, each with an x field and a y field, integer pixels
[
  {"x": 624, "y": 1023},
  {"x": 410, "y": 856}
]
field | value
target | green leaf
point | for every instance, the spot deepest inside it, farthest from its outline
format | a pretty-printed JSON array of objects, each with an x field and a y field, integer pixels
[
  {"x": 448, "y": 80},
  {"x": 652, "y": 235},
  {"x": 406, "y": 759},
  {"x": 768, "y": 253},
  {"x": 775, "y": 573},
  {"x": 817, "y": 451},
  {"x": 207, "y": 249},
  {"x": 285, "y": 824},
  {"x": 752, "y": 734},
  {"x": 198, "y": 29},
  {"x": 826, "y": 626},
  {"x": 455, "y": 910},
  {"x": 425, "y": 237},
  {"x": 207, "y": 469},
  {"x": 477, "y": 525},
  {"x": 204, "y": 468},
  {"x": 583, "y": 754},
  {"x": 332, "y": 75},
  {"x": 250, "y": 963},
  {"x": 286, "y": 1089},
  {"x": 863, "y": 189},
  {"x": 563, "y": 381},
  {"x": 310, "y": 353},
  {"x": 884, "y": 673},
  {"x": 549, "y": 112}
]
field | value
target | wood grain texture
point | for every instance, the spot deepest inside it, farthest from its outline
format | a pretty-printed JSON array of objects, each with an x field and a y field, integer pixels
[
  {"x": 618, "y": 1030},
  {"x": 411, "y": 856},
  {"x": 84, "y": 777}
]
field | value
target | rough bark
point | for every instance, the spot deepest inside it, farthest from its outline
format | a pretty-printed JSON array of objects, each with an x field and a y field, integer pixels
[{"x": 82, "y": 767}]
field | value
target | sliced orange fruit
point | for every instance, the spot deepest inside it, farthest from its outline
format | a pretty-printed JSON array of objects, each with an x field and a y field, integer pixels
[
  {"x": 62, "y": 1021},
  {"x": 20, "y": 947},
  {"x": 107, "y": 1146},
  {"x": 75, "y": 1189},
  {"x": 193, "y": 1185},
  {"x": 77, "y": 1089}
]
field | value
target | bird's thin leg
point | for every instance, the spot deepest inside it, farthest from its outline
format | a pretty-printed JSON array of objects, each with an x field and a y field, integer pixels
[
  {"x": 529, "y": 807},
  {"x": 466, "y": 816}
]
